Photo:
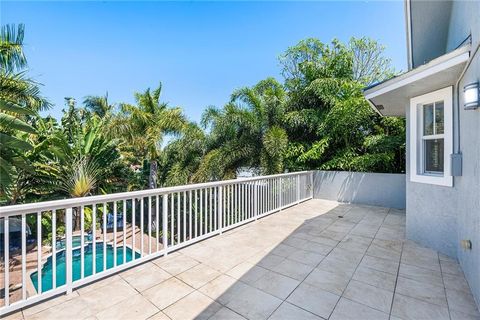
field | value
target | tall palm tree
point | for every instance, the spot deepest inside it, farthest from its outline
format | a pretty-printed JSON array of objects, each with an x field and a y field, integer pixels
[
  {"x": 247, "y": 132},
  {"x": 20, "y": 99},
  {"x": 98, "y": 105},
  {"x": 144, "y": 126}
]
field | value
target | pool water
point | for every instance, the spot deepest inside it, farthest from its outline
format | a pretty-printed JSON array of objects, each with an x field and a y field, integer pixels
[
  {"x": 47, "y": 268},
  {"x": 76, "y": 241}
]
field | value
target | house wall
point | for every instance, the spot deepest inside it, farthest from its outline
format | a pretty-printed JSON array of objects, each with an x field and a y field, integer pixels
[
  {"x": 439, "y": 217},
  {"x": 376, "y": 189}
]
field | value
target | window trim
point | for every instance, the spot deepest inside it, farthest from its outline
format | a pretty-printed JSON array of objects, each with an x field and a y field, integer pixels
[{"x": 416, "y": 137}]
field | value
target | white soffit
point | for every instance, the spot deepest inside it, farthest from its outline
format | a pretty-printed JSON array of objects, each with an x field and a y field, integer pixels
[{"x": 394, "y": 94}]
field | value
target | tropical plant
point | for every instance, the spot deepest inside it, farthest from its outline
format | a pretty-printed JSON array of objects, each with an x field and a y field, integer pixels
[
  {"x": 246, "y": 133},
  {"x": 143, "y": 127},
  {"x": 20, "y": 99}
]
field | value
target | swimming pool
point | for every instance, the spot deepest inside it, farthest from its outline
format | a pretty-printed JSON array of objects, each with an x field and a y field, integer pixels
[
  {"x": 76, "y": 241},
  {"x": 47, "y": 268}
]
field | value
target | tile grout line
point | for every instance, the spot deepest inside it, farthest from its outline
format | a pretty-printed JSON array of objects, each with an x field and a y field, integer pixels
[
  {"x": 357, "y": 268},
  {"x": 285, "y": 300},
  {"x": 396, "y": 279},
  {"x": 444, "y": 288}
]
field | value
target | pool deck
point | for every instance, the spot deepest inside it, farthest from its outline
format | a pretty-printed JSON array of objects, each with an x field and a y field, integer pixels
[{"x": 305, "y": 262}]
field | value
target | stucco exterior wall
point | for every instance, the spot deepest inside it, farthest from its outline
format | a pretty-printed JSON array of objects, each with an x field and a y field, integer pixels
[
  {"x": 439, "y": 217},
  {"x": 376, "y": 189}
]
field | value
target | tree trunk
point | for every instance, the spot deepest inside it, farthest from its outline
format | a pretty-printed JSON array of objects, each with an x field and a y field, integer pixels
[
  {"x": 152, "y": 184},
  {"x": 152, "y": 178}
]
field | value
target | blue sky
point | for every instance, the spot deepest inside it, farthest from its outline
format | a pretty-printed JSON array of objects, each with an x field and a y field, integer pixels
[{"x": 201, "y": 51}]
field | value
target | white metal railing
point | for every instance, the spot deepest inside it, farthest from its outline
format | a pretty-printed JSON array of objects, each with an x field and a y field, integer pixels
[{"x": 53, "y": 247}]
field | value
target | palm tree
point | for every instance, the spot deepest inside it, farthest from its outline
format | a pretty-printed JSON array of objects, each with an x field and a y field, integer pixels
[
  {"x": 98, "y": 105},
  {"x": 20, "y": 99},
  {"x": 247, "y": 132},
  {"x": 145, "y": 125}
]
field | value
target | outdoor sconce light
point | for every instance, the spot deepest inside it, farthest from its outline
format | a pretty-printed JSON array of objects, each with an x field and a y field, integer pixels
[{"x": 471, "y": 96}]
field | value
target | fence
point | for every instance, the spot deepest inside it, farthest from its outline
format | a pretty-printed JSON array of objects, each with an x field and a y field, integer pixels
[{"x": 52, "y": 247}]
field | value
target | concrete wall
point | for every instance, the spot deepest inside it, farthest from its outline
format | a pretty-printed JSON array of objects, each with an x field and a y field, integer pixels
[
  {"x": 439, "y": 217},
  {"x": 376, "y": 189}
]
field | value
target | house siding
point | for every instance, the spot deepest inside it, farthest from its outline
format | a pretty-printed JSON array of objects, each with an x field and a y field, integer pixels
[{"x": 439, "y": 217}]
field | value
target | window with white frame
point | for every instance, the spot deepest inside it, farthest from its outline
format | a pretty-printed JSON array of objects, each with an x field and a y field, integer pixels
[{"x": 431, "y": 137}]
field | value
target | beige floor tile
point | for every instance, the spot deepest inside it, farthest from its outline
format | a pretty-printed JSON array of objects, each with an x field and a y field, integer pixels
[
  {"x": 421, "y": 261},
  {"x": 218, "y": 286},
  {"x": 314, "y": 299},
  {"x": 306, "y": 257},
  {"x": 226, "y": 314},
  {"x": 420, "y": 274},
  {"x": 340, "y": 267},
  {"x": 413, "y": 309},
  {"x": 380, "y": 252},
  {"x": 331, "y": 282},
  {"x": 423, "y": 291},
  {"x": 288, "y": 311},
  {"x": 293, "y": 269},
  {"x": 145, "y": 276},
  {"x": 98, "y": 284},
  {"x": 108, "y": 295},
  {"x": 276, "y": 284},
  {"x": 177, "y": 264},
  {"x": 355, "y": 243},
  {"x": 456, "y": 283},
  {"x": 49, "y": 303},
  {"x": 198, "y": 275},
  {"x": 350, "y": 310},
  {"x": 270, "y": 261},
  {"x": 325, "y": 241},
  {"x": 451, "y": 267},
  {"x": 136, "y": 307},
  {"x": 283, "y": 250},
  {"x": 368, "y": 295},
  {"x": 316, "y": 247},
  {"x": 380, "y": 264},
  {"x": 17, "y": 315},
  {"x": 462, "y": 301},
  {"x": 253, "y": 303},
  {"x": 164, "y": 294},
  {"x": 457, "y": 315},
  {"x": 375, "y": 278},
  {"x": 247, "y": 272},
  {"x": 350, "y": 257},
  {"x": 194, "y": 306},
  {"x": 73, "y": 309},
  {"x": 159, "y": 316}
]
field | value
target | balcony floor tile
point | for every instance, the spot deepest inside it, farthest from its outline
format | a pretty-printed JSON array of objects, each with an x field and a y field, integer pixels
[{"x": 305, "y": 262}]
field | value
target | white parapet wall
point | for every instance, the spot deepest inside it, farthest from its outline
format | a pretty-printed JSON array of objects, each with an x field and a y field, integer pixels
[{"x": 376, "y": 189}]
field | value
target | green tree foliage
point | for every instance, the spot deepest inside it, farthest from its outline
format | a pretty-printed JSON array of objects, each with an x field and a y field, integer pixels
[
  {"x": 329, "y": 122},
  {"x": 19, "y": 101},
  {"x": 143, "y": 127},
  {"x": 317, "y": 118},
  {"x": 246, "y": 133}
]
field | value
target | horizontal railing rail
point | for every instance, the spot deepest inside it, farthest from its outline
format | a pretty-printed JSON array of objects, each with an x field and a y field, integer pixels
[{"x": 53, "y": 247}]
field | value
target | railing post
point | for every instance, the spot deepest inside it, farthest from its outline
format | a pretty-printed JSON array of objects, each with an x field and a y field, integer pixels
[
  {"x": 165, "y": 223},
  {"x": 255, "y": 199},
  {"x": 68, "y": 249},
  {"x": 281, "y": 192},
  {"x": 298, "y": 188},
  {"x": 6, "y": 235},
  {"x": 311, "y": 184},
  {"x": 220, "y": 209}
]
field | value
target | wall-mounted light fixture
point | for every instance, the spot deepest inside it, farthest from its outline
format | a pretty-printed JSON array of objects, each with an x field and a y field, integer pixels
[{"x": 471, "y": 96}]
